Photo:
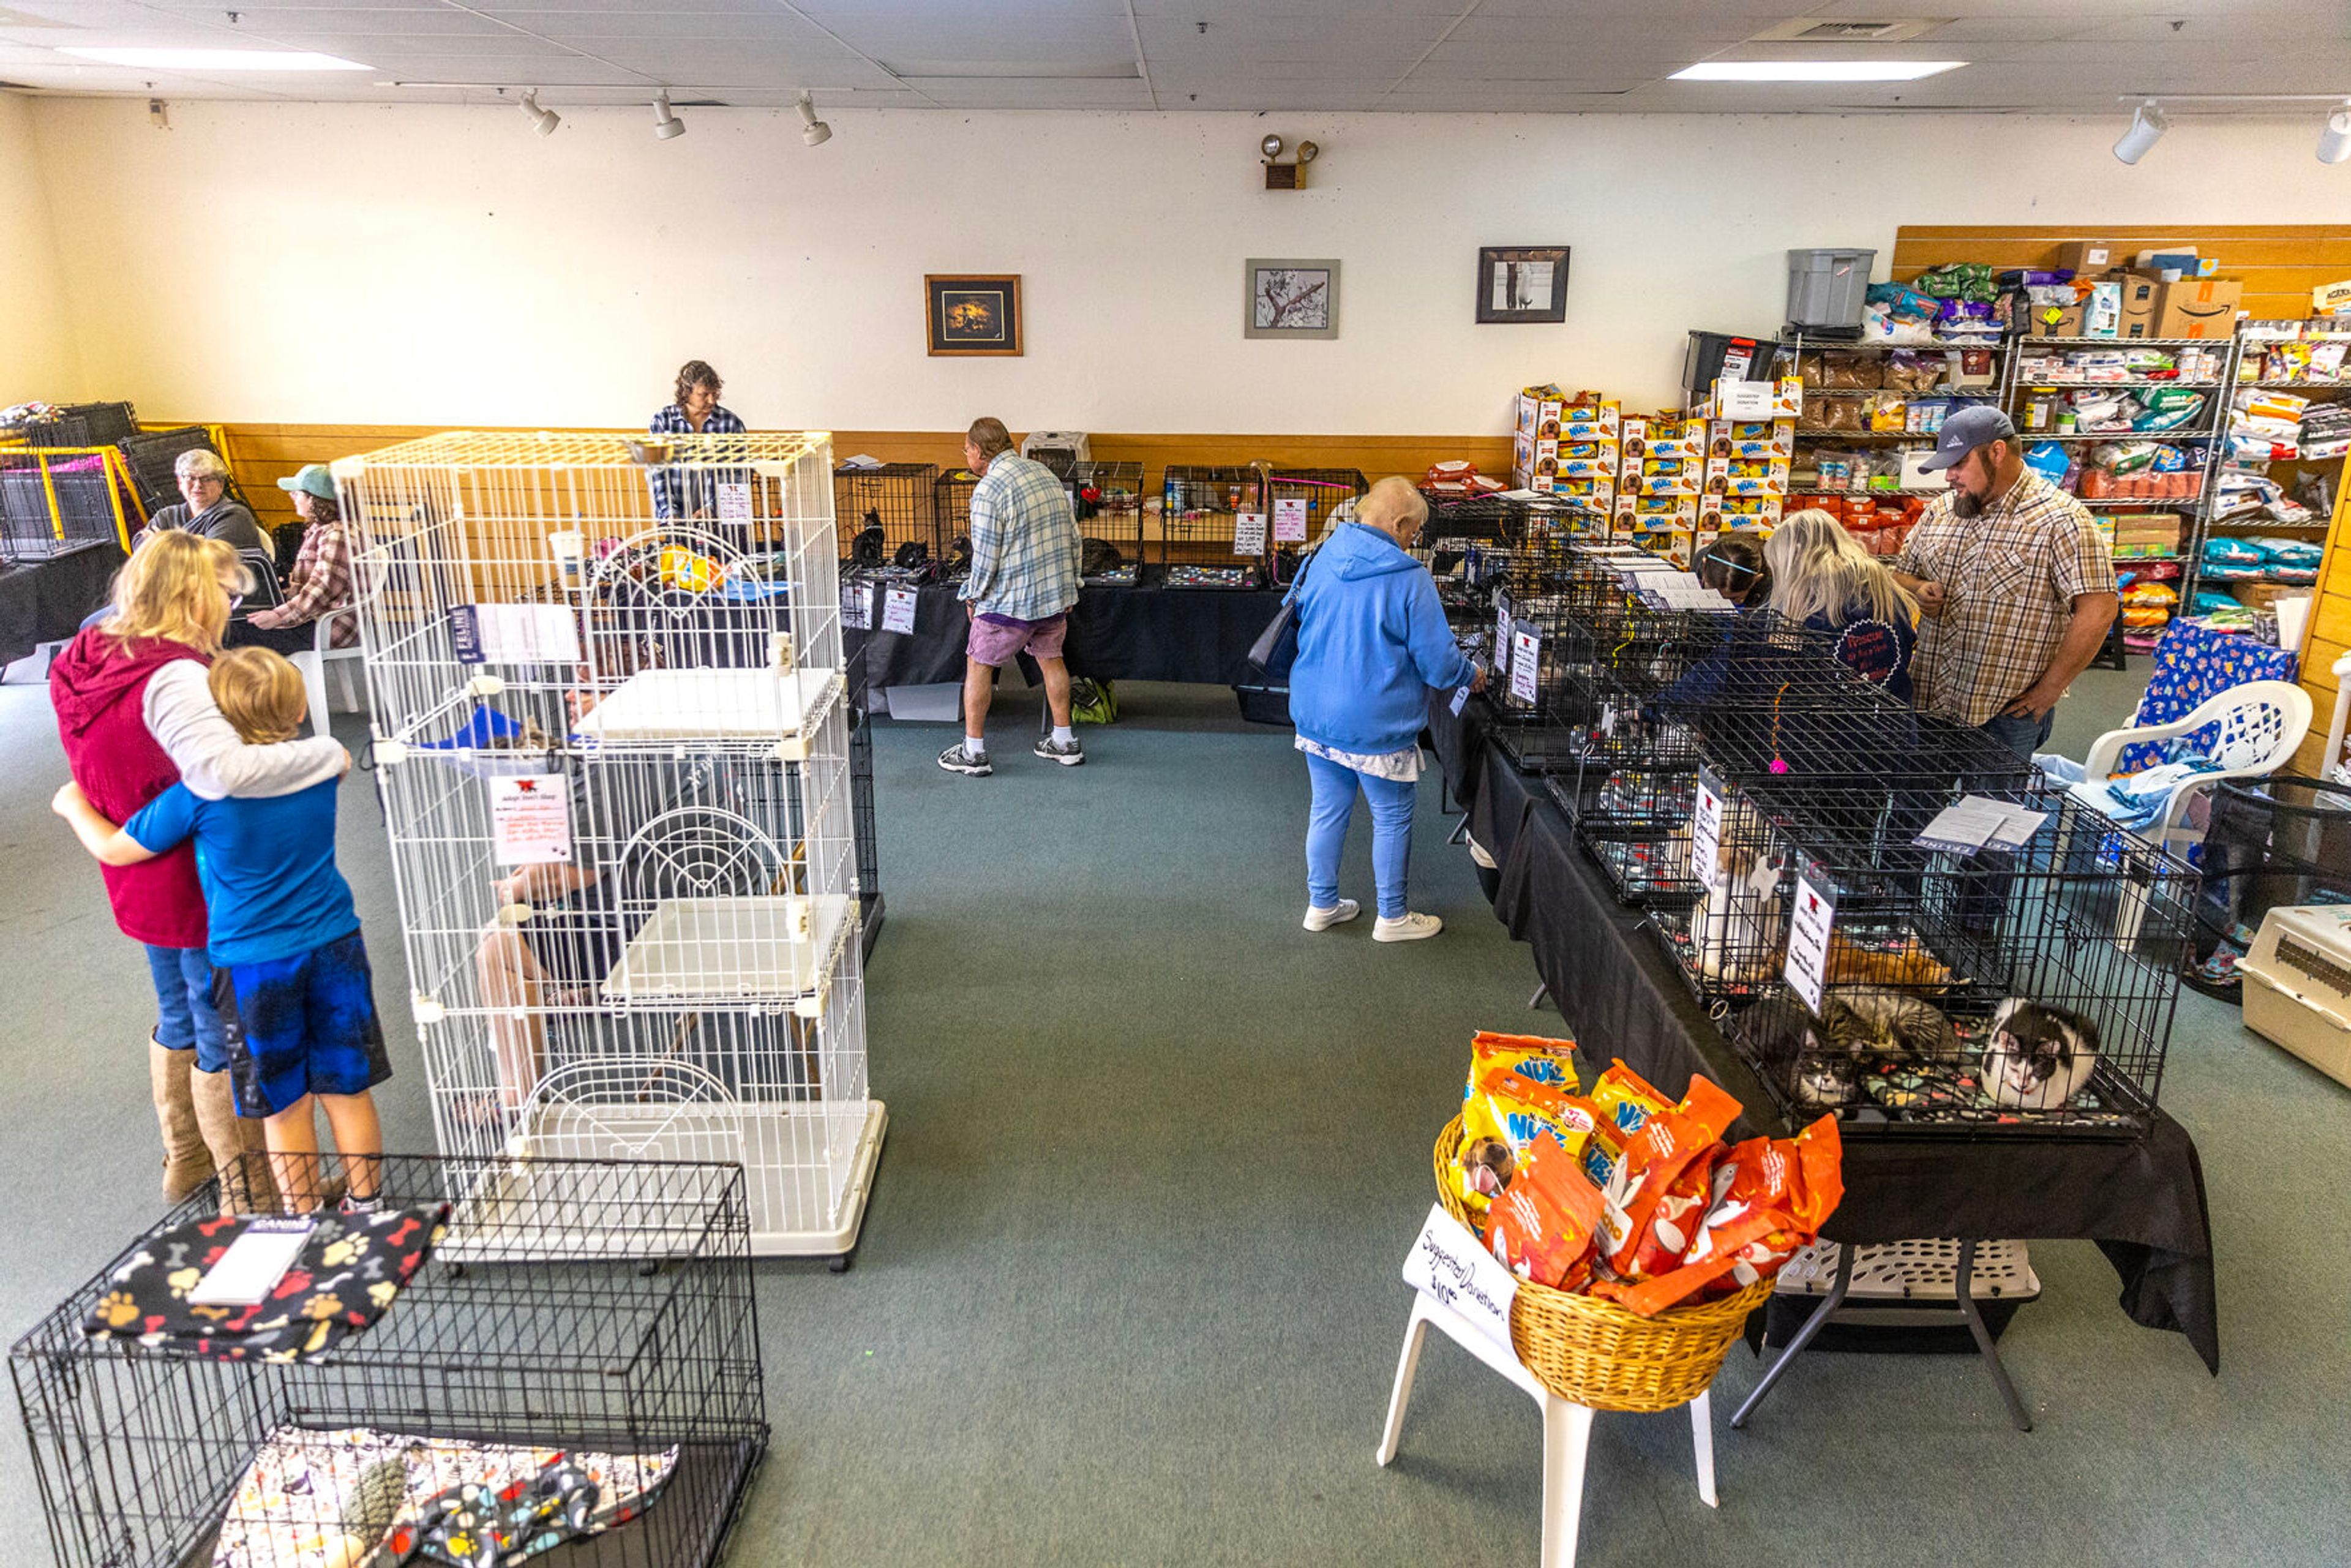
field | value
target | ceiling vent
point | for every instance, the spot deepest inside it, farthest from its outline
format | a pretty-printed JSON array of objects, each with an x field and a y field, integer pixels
[{"x": 1813, "y": 30}]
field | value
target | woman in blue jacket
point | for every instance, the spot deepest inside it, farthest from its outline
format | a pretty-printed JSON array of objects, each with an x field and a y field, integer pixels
[{"x": 1372, "y": 640}]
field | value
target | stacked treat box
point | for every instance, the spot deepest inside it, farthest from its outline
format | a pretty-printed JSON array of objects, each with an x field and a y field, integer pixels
[
  {"x": 1567, "y": 445},
  {"x": 1663, "y": 473}
]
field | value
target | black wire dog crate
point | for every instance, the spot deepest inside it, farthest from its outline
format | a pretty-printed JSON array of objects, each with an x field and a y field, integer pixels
[
  {"x": 1108, "y": 499},
  {"x": 951, "y": 500},
  {"x": 151, "y": 456},
  {"x": 1200, "y": 541},
  {"x": 579, "y": 1346},
  {"x": 55, "y": 499},
  {"x": 82, "y": 425},
  {"x": 1298, "y": 503},
  {"x": 881, "y": 511},
  {"x": 1538, "y": 591},
  {"x": 2022, "y": 982}
]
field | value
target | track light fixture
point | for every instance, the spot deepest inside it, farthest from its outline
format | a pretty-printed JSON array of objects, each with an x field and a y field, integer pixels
[
  {"x": 666, "y": 125},
  {"x": 543, "y": 120},
  {"x": 2335, "y": 137},
  {"x": 813, "y": 132},
  {"x": 2146, "y": 128}
]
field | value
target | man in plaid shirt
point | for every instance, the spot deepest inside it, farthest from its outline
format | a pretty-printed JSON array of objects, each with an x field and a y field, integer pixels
[
  {"x": 2015, "y": 584},
  {"x": 696, "y": 412},
  {"x": 1024, "y": 577}
]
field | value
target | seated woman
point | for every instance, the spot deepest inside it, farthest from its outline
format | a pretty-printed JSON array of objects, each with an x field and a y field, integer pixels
[
  {"x": 320, "y": 581},
  {"x": 1822, "y": 578},
  {"x": 205, "y": 508}
]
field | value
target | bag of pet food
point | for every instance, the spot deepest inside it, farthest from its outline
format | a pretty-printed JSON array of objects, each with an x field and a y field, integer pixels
[
  {"x": 1674, "y": 1224},
  {"x": 1654, "y": 1156},
  {"x": 1551, "y": 1061},
  {"x": 1517, "y": 1109},
  {"x": 1624, "y": 1100},
  {"x": 1542, "y": 1227},
  {"x": 1769, "y": 1198}
]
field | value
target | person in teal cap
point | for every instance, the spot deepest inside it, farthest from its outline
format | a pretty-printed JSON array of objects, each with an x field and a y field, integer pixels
[{"x": 319, "y": 582}]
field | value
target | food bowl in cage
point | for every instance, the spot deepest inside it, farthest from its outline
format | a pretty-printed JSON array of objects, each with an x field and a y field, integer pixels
[
  {"x": 1604, "y": 1357},
  {"x": 649, "y": 452}
]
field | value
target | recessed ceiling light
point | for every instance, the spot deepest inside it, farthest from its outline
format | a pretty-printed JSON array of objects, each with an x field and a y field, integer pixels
[
  {"x": 1815, "y": 70},
  {"x": 219, "y": 60}
]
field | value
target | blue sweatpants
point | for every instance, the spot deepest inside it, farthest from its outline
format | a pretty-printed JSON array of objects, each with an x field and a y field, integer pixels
[{"x": 1326, "y": 833}]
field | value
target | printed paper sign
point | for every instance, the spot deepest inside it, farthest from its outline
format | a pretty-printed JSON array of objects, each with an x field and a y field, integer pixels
[
  {"x": 1975, "y": 824},
  {"x": 857, "y": 606},
  {"x": 530, "y": 819},
  {"x": 1526, "y": 658},
  {"x": 1248, "y": 533},
  {"x": 898, "y": 609},
  {"x": 735, "y": 503},
  {"x": 1502, "y": 630},
  {"x": 1460, "y": 700},
  {"x": 1742, "y": 400},
  {"x": 1447, "y": 1265},
  {"x": 1706, "y": 830},
  {"x": 1290, "y": 520},
  {"x": 514, "y": 634},
  {"x": 1808, "y": 940}
]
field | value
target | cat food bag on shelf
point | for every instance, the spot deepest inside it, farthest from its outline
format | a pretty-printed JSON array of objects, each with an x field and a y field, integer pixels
[
  {"x": 1654, "y": 1156},
  {"x": 1541, "y": 1226},
  {"x": 1769, "y": 1198}
]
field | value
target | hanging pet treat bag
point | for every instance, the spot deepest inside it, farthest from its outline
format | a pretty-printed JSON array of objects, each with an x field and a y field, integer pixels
[
  {"x": 1654, "y": 1156},
  {"x": 1542, "y": 1227}
]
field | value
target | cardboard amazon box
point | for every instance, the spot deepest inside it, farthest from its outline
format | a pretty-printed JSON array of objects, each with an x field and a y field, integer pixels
[{"x": 2199, "y": 308}]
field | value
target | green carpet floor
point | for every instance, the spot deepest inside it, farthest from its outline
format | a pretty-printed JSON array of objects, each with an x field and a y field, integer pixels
[{"x": 1129, "y": 1290}]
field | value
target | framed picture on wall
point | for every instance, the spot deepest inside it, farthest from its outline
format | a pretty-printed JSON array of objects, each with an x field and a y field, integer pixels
[
  {"x": 975, "y": 314},
  {"x": 1290, "y": 299},
  {"x": 1521, "y": 284}
]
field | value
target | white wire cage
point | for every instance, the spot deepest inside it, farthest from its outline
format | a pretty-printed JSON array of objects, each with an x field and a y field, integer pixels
[{"x": 613, "y": 755}]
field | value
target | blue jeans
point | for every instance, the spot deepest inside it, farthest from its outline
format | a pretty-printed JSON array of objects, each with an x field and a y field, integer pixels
[
  {"x": 186, "y": 1015},
  {"x": 2021, "y": 733},
  {"x": 1326, "y": 833}
]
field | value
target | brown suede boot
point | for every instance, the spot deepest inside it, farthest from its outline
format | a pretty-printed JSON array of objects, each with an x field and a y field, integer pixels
[
  {"x": 187, "y": 1164},
  {"x": 238, "y": 1148}
]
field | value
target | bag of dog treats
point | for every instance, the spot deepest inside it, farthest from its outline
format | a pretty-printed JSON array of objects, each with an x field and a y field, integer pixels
[
  {"x": 1665, "y": 1144},
  {"x": 1769, "y": 1198},
  {"x": 1551, "y": 1061},
  {"x": 1674, "y": 1223},
  {"x": 1624, "y": 1100},
  {"x": 1542, "y": 1227},
  {"x": 1517, "y": 1109}
]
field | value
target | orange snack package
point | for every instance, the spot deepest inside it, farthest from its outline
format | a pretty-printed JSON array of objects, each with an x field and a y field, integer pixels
[
  {"x": 1674, "y": 1225},
  {"x": 1770, "y": 1198},
  {"x": 1541, "y": 1226},
  {"x": 1654, "y": 1156},
  {"x": 1551, "y": 1061},
  {"x": 1625, "y": 1100}
]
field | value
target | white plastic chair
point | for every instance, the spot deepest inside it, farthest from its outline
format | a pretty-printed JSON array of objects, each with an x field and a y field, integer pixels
[
  {"x": 2261, "y": 725},
  {"x": 313, "y": 665}
]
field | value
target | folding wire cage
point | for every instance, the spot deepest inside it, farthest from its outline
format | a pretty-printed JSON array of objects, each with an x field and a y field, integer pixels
[
  {"x": 597, "y": 1315},
  {"x": 951, "y": 500},
  {"x": 55, "y": 499},
  {"x": 614, "y": 752},
  {"x": 1202, "y": 542},
  {"x": 1299, "y": 505},
  {"x": 881, "y": 511},
  {"x": 1108, "y": 500},
  {"x": 2022, "y": 983},
  {"x": 81, "y": 424}
]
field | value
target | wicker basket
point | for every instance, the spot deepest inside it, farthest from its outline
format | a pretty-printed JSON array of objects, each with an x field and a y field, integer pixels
[{"x": 1599, "y": 1354}]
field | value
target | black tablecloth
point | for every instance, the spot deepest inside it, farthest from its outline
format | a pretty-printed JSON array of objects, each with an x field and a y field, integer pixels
[
  {"x": 2142, "y": 1202},
  {"x": 1148, "y": 633},
  {"x": 46, "y": 602}
]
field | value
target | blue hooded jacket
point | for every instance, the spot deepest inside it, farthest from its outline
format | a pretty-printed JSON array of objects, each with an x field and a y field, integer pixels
[{"x": 1372, "y": 640}]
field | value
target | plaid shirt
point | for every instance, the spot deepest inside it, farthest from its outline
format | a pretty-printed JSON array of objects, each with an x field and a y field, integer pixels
[
  {"x": 319, "y": 582},
  {"x": 2010, "y": 577},
  {"x": 682, "y": 495},
  {"x": 1024, "y": 542}
]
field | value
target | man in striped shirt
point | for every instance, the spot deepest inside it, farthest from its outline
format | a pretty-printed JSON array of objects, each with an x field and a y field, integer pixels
[{"x": 1024, "y": 577}]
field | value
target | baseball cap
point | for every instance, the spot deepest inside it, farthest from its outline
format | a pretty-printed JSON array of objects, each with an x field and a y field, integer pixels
[
  {"x": 1962, "y": 433},
  {"x": 314, "y": 479}
]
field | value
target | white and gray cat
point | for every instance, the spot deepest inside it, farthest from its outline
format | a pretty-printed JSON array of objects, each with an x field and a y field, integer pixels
[{"x": 2037, "y": 1057}]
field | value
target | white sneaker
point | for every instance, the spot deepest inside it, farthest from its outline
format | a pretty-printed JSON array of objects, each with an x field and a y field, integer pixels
[
  {"x": 1339, "y": 914},
  {"x": 1406, "y": 927}
]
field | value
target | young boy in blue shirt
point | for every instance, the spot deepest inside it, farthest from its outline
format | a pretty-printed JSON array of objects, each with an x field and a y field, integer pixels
[{"x": 290, "y": 974}]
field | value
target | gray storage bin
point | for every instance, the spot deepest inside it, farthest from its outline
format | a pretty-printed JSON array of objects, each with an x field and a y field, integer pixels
[{"x": 1828, "y": 287}]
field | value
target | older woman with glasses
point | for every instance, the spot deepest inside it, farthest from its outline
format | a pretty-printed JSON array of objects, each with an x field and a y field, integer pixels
[{"x": 205, "y": 508}]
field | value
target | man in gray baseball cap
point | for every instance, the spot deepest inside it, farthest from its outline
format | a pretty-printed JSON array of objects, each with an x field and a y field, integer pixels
[{"x": 2014, "y": 581}]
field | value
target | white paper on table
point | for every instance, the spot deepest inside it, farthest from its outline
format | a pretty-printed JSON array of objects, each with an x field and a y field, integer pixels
[
  {"x": 516, "y": 633},
  {"x": 1808, "y": 941},
  {"x": 735, "y": 502},
  {"x": 254, "y": 1264},
  {"x": 1974, "y": 822},
  {"x": 857, "y": 606},
  {"x": 1447, "y": 1263},
  {"x": 1526, "y": 658},
  {"x": 1248, "y": 533},
  {"x": 530, "y": 819},
  {"x": 1706, "y": 830},
  {"x": 898, "y": 609},
  {"x": 1290, "y": 520}
]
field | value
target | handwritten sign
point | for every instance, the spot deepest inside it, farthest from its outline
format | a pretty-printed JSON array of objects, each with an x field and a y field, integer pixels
[
  {"x": 1526, "y": 660},
  {"x": 1248, "y": 533},
  {"x": 1502, "y": 630},
  {"x": 530, "y": 819},
  {"x": 1808, "y": 940},
  {"x": 857, "y": 606},
  {"x": 1448, "y": 1264},
  {"x": 735, "y": 503},
  {"x": 1290, "y": 520},
  {"x": 898, "y": 609},
  {"x": 1706, "y": 830}
]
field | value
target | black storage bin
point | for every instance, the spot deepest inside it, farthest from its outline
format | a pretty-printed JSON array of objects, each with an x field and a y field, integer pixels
[
  {"x": 1702, "y": 362},
  {"x": 2283, "y": 839},
  {"x": 1264, "y": 705}
]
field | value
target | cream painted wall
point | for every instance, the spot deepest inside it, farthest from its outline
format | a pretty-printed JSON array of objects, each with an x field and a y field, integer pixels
[
  {"x": 331, "y": 264},
  {"x": 37, "y": 356}
]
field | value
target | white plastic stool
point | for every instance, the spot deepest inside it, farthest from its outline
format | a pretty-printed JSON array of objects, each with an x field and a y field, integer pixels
[{"x": 1567, "y": 1427}]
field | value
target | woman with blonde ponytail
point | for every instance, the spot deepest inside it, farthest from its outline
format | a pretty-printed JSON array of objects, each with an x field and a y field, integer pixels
[
  {"x": 1821, "y": 576},
  {"x": 136, "y": 716}
]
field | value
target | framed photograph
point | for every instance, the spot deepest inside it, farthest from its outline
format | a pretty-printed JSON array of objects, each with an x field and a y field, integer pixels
[
  {"x": 1520, "y": 284},
  {"x": 1290, "y": 299},
  {"x": 973, "y": 314}
]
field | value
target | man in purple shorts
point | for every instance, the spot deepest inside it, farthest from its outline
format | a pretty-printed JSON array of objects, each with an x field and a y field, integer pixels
[{"x": 1024, "y": 577}]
